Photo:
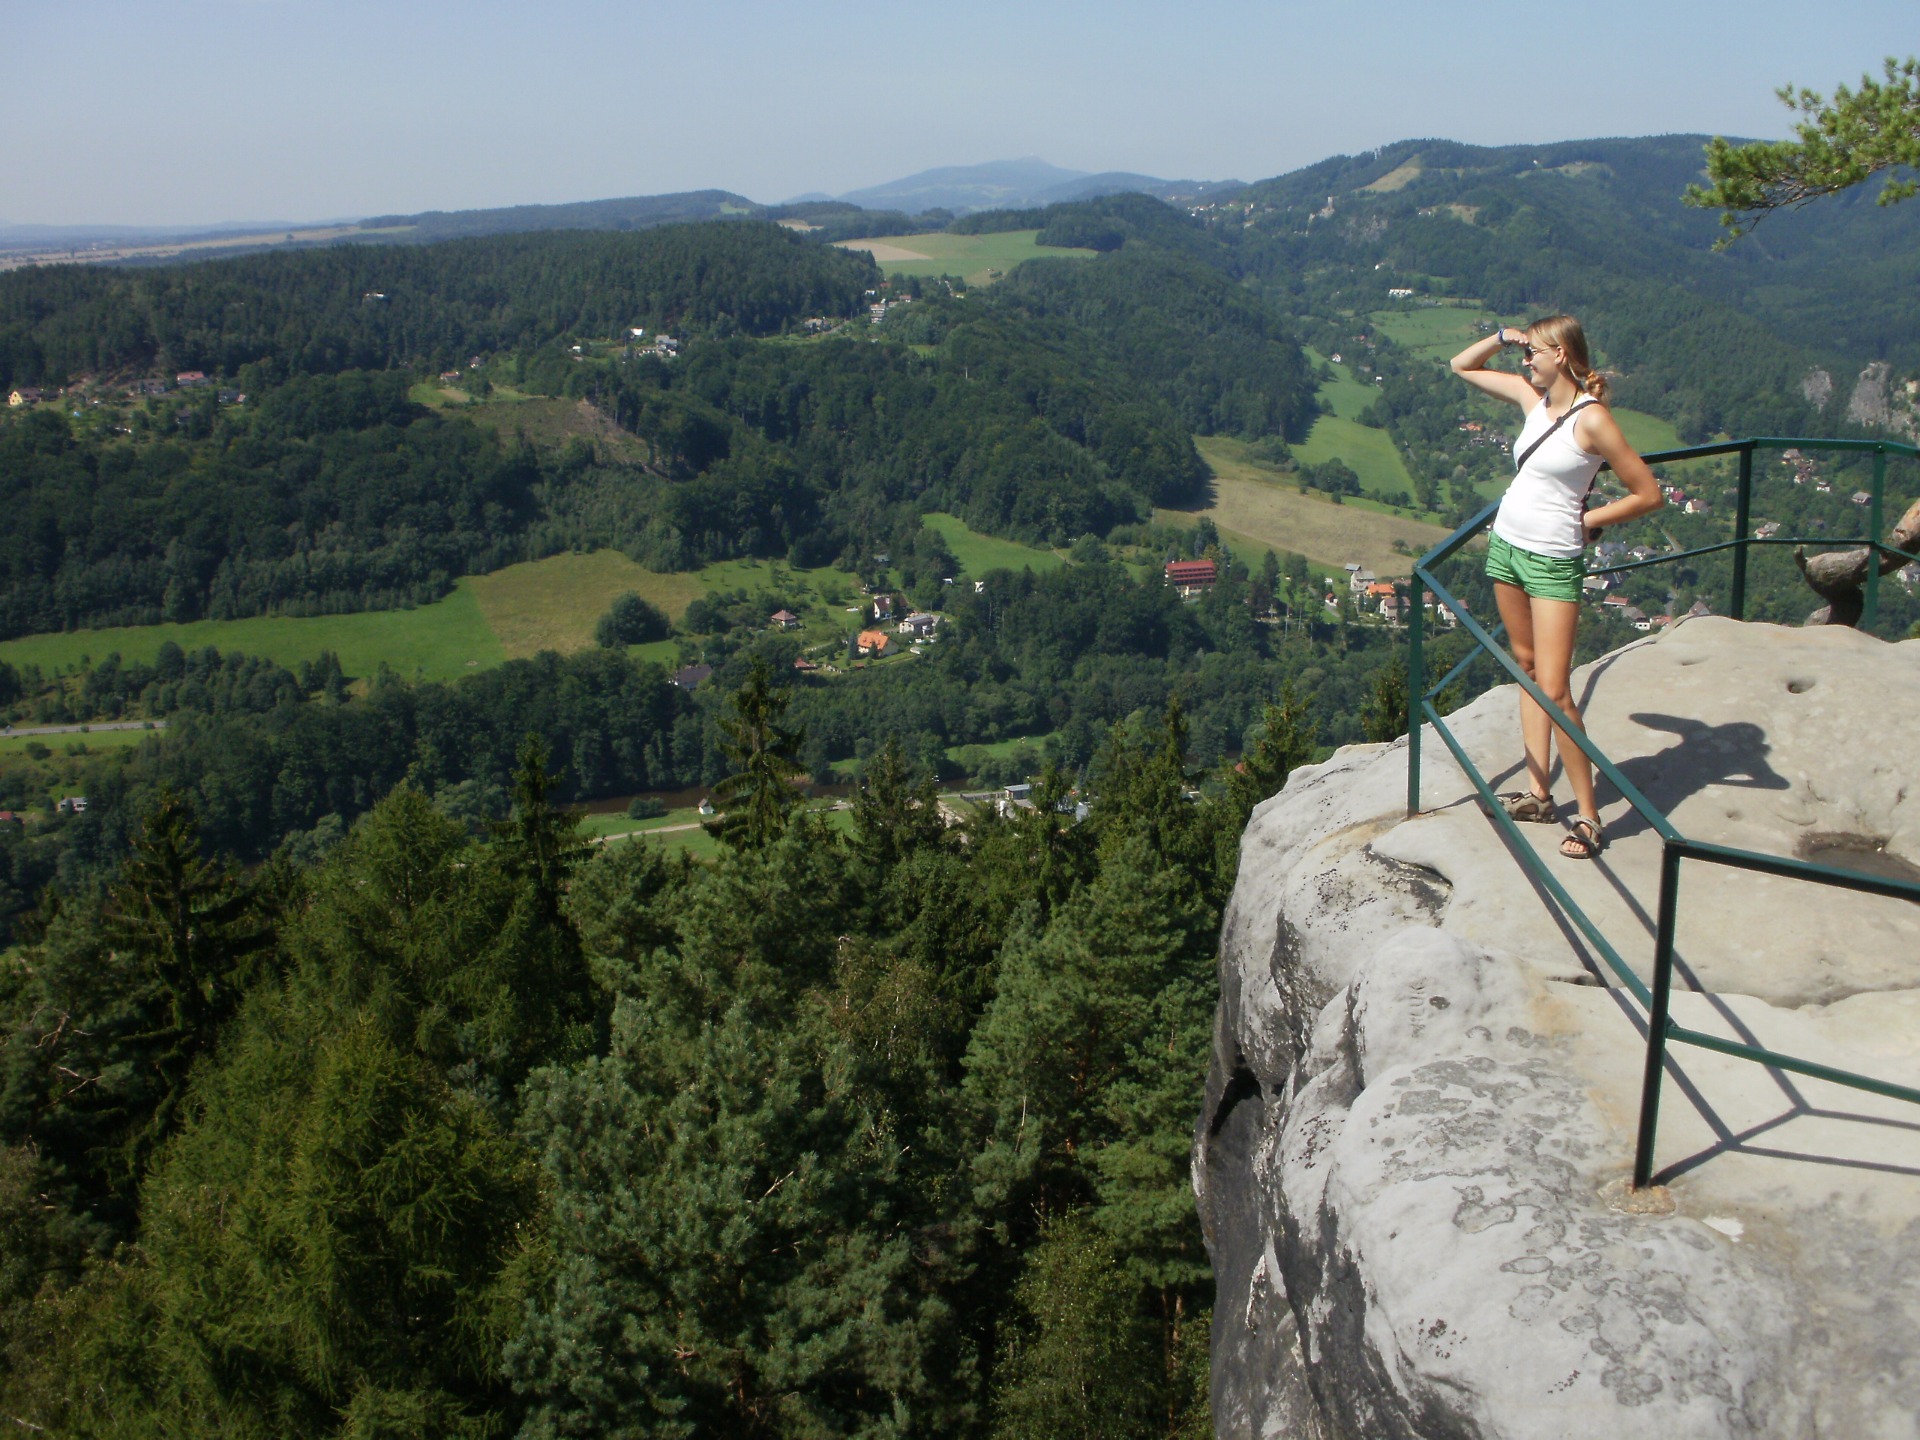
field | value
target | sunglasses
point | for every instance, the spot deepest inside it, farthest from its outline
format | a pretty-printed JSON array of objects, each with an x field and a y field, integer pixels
[{"x": 1527, "y": 352}]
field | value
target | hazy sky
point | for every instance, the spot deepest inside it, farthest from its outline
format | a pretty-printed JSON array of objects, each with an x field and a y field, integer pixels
[{"x": 133, "y": 111}]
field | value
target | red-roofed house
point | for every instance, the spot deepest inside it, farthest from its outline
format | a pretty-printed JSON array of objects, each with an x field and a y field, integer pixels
[
  {"x": 785, "y": 619},
  {"x": 873, "y": 642},
  {"x": 1190, "y": 577}
]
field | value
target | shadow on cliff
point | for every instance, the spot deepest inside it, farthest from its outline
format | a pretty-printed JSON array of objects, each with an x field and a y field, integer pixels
[{"x": 1733, "y": 754}]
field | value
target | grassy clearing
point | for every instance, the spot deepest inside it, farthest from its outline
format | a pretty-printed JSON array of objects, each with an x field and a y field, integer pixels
[
  {"x": 552, "y": 604},
  {"x": 433, "y": 642},
  {"x": 979, "y": 553},
  {"x": 77, "y": 744},
  {"x": 1438, "y": 332},
  {"x": 1370, "y": 452},
  {"x": 1265, "y": 511},
  {"x": 981, "y": 259},
  {"x": 1344, "y": 396},
  {"x": 549, "y": 422}
]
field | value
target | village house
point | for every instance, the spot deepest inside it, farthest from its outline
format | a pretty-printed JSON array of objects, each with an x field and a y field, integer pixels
[
  {"x": 1358, "y": 579},
  {"x": 188, "y": 379},
  {"x": 872, "y": 642},
  {"x": 1766, "y": 529},
  {"x": 883, "y": 607},
  {"x": 1190, "y": 577},
  {"x": 1861, "y": 497},
  {"x": 25, "y": 395},
  {"x": 920, "y": 625},
  {"x": 784, "y": 619},
  {"x": 804, "y": 665},
  {"x": 692, "y": 677}
]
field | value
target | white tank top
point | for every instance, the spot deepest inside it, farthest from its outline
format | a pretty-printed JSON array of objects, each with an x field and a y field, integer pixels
[{"x": 1543, "y": 508}]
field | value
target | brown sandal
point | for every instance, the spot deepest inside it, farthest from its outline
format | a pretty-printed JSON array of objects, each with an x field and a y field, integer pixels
[
  {"x": 1526, "y": 806},
  {"x": 1584, "y": 839}
]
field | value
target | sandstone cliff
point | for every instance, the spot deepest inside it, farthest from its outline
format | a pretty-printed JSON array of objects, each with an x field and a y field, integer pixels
[{"x": 1412, "y": 1158}]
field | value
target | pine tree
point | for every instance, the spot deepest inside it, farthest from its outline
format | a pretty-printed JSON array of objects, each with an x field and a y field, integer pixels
[{"x": 1842, "y": 142}]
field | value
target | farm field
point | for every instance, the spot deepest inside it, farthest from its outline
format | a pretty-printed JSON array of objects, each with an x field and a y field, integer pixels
[
  {"x": 979, "y": 553},
  {"x": 975, "y": 257},
  {"x": 1263, "y": 511},
  {"x": 433, "y": 642}
]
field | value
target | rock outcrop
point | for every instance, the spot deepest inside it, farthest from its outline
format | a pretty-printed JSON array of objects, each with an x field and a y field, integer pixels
[{"x": 1413, "y": 1156}]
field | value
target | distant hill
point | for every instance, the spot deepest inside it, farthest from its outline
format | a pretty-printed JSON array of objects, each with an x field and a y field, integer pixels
[
  {"x": 634, "y": 212},
  {"x": 1018, "y": 185},
  {"x": 1843, "y": 274}
]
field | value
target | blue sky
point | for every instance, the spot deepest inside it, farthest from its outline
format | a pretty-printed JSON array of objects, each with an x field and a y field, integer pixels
[{"x": 130, "y": 111}]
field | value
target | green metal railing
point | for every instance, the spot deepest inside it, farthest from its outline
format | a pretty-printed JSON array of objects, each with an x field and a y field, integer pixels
[{"x": 1662, "y": 1030}]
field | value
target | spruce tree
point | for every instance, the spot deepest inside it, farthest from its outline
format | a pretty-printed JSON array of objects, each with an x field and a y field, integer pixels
[{"x": 758, "y": 795}]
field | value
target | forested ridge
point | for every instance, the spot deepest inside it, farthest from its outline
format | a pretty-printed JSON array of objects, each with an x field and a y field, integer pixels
[{"x": 1064, "y": 411}]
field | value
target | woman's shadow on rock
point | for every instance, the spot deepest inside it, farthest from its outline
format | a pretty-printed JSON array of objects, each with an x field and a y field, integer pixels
[{"x": 1734, "y": 754}]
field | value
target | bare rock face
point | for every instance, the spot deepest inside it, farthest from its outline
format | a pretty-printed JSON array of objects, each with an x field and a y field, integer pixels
[
  {"x": 1870, "y": 404},
  {"x": 1817, "y": 387},
  {"x": 1413, "y": 1156}
]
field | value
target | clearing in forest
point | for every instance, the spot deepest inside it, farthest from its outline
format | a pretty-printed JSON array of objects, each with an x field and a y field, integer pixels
[
  {"x": 1259, "y": 508},
  {"x": 980, "y": 259},
  {"x": 979, "y": 553},
  {"x": 431, "y": 642}
]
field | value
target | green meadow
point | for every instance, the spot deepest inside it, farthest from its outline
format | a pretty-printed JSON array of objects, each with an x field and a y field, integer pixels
[
  {"x": 1371, "y": 453},
  {"x": 433, "y": 642},
  {"x": 1438, "y": 332},
  {"x": 979, "y": 553},
  {"x": 980, "y": 259},
  {"x": 83, "y": 742}
]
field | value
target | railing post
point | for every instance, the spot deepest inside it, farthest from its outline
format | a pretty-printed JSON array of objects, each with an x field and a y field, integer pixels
[
  {"x": 1416, "y": 686},
  {"x": 1742, "y": 506},
  {"x": 1870, "y": 610},
  {"x": 1657, "y": 1017}
]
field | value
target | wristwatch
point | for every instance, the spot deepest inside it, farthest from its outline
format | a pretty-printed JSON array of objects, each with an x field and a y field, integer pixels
[{"x": 1500, "y": 334}]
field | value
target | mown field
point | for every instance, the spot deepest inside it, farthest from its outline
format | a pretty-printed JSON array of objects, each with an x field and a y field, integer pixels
[
  {"x": 1265, "y": 510},
  {"x": 980, "y": 259}
]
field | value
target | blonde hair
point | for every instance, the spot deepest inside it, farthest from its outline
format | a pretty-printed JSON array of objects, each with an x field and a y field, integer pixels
[{"x": 1563, "y": 332}]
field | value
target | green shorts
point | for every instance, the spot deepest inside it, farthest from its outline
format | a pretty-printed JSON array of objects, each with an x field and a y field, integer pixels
[{"x": 1545, "y": 577}]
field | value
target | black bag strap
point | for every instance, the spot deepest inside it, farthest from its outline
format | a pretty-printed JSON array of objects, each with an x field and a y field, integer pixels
[{"x": 1527, "y": 454}]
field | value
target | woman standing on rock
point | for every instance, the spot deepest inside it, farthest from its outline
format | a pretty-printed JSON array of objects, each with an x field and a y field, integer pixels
[{"x": 1534, "y": 558}]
